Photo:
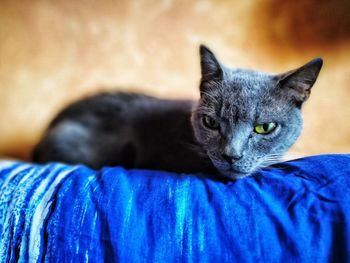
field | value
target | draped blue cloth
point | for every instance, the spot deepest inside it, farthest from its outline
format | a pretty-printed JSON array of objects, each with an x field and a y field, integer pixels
[{"x": 296, "y": 212}]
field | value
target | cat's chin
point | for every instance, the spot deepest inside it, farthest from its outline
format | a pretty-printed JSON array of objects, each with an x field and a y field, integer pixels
[{"x": 233, "y": 174}]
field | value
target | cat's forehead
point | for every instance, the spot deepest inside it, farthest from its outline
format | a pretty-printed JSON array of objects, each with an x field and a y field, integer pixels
[
  {"x": 246, "y": 95},
  {"x": 246, "y": 88},
  {"x": 247, "y": 81}
]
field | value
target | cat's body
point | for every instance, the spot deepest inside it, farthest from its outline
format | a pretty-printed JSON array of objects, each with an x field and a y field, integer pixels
[
  {"x": 244, "y": 120},
  {"x": 131, "y": 130}
]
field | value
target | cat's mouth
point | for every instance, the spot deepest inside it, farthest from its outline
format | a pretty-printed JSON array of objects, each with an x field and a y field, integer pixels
[{"x": 232, "y": 171}]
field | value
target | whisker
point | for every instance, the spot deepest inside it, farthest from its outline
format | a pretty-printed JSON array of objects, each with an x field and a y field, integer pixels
[{"x": 209, "y": 96}]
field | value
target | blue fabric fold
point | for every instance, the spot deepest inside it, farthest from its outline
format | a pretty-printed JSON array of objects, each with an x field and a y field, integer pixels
[{"x": 297, "y": 211}]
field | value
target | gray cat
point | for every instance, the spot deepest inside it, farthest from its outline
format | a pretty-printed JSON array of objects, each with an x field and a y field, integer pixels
[{"x": 243, "y": 121}]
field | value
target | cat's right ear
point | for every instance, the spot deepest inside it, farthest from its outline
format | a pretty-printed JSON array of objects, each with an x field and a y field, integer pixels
[
  {"x": 210, "y": 67},
  {"x": 298, "y": 82}
]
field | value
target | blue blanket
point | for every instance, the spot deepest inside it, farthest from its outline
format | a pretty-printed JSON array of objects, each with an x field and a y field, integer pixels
[{"x": 297, "y": 212}]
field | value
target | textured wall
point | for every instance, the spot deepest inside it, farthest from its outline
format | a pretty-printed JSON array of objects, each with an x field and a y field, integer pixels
[{"x": 52, "y": 52}]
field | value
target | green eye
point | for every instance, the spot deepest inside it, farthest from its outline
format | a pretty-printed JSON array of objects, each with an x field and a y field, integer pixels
[
  {"x": 265, "y": 128},
  {"x": 210, "y": 123}
]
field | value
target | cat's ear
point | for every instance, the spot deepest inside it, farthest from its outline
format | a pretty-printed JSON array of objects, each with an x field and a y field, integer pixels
[
  {"x": 298, "y": 82},
  {"x": 210, "y": 67}
]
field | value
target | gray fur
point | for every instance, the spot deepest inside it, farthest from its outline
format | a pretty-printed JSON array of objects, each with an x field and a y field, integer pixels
[
  {"x": 139, "y": 131},
  {"x": 239, "y": 99}
]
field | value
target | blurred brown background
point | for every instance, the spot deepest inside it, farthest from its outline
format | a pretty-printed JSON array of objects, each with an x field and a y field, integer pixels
[{"x": 53, "y": 52}]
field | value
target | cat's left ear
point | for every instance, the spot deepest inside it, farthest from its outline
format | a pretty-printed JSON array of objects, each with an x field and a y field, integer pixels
[
  {"x": 298, "y": 82},
  {"x": 210, "y": 67}
]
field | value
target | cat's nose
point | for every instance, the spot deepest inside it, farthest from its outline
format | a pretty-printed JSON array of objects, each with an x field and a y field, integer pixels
[{"x": 231, "y": 158}]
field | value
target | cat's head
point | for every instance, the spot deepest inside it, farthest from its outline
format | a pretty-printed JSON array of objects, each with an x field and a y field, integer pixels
[{"x": 246, "y": 119}]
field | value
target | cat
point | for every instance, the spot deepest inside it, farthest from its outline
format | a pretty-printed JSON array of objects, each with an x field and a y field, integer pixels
[{"x": 244, "y": 120}]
